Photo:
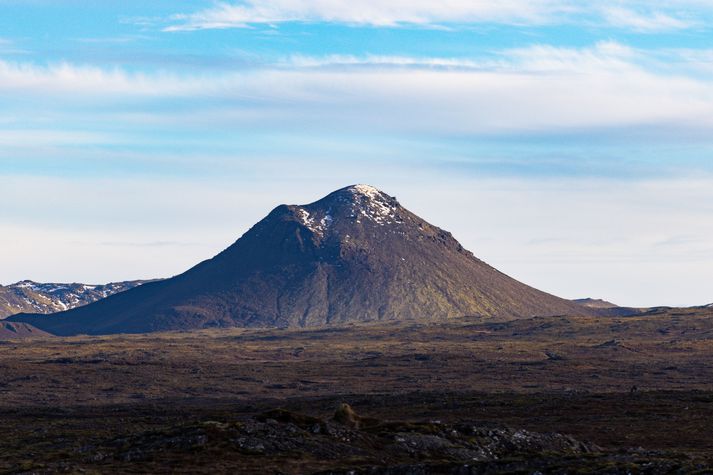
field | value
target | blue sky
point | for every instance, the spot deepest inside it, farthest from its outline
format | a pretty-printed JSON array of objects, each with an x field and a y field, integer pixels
[{"x": 569, "y": 145}]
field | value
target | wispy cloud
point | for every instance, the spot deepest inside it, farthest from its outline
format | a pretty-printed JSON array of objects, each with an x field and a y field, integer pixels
[
  {"x": 13, "y": 138},
  {"x": 121, "y": 39},
  {"x": 628, "y": 14},
  {"x": 384, "y": 61},
  {"x": 10, "y": 47},
  {"x": 536, "y": 89},
  {"x": 91, "y": 80},
  {"x": 648, "y": 22},
  {"x": 372, "y": 12}
]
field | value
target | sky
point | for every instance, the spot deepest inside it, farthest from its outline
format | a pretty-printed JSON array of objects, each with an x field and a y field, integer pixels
[{"x": 569, "y": 144}]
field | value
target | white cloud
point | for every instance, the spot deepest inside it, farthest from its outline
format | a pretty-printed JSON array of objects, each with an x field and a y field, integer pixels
[
  {"x": 695, "y": 60},
  {"x": 89, "y": 80},
  {"x": 372, "y": 12},
  {"x": 301, "y": 61},
  {"x": 541, "y": 88},
  {"x": 644, "y": 22},
  {"x": 628, "y": 14}
]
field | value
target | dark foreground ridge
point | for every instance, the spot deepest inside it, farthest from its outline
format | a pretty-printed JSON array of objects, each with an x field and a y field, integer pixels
[{"x": 355, "y": 255}]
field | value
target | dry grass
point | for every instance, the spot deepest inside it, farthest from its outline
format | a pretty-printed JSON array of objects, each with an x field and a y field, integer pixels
[
  {"x": 560, "y": 374},
  {"x": 669, "y": 351}
]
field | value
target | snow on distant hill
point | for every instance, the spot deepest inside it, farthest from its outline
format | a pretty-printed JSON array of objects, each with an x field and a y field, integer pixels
[{"x": 34, "y": 297}]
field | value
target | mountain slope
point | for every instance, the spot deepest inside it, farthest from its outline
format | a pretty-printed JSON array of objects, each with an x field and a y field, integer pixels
[
  {"x": 604, "y": 308},
  {"x": 20, "y": 331},
  {"x": 29, "y": 296},
  {"x": 355, "y": 255}
]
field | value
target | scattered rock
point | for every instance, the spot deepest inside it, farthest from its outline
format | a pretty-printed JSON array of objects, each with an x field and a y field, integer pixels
[
  {"x": 609, "y": 344},
  {"x": 346, "y": 416}
]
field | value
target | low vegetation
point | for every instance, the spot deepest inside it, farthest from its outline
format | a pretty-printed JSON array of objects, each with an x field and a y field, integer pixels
[{"x": 600, "y": 394}]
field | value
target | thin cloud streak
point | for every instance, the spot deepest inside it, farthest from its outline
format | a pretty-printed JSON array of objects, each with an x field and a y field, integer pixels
[
  {"x": 630, "y": 15},
  {"x": 645, "y": 22},
  {"x": 371, "y": 12},
  {"x": 9, "y": 47}
]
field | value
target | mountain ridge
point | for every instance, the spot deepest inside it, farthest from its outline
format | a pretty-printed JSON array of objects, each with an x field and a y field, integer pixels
[
  {"x": 28, "y": 296},
  {"x": 354, "y": 255}
]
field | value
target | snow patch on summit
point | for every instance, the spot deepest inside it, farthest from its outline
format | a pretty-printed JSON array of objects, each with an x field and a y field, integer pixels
[
  {"x": 318, "y": 227},
  {"x": 361, "y": 202},
  {"x": 367, "y": 190},
  {"x": 374, "y": 205}
]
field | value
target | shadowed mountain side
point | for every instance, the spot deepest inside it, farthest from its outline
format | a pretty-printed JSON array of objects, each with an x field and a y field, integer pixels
[
  {"x": 609, "y": 309},
  {"x": 355, "y": 255},
  {"x": 19, "y": 331}
]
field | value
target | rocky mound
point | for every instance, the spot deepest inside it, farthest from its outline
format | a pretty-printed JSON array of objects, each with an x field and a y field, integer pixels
[
  {"x": 280, "y": 441},
  {"x": 281, "y": 432}
]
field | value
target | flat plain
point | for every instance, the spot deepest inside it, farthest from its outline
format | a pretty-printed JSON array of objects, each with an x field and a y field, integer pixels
[{"x": 634, "y": 390}]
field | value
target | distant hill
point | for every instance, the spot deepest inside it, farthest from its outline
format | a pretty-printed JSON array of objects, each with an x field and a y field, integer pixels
[
  {"x": 595, "y": 303},
  {"x": 18, "y": 330},
  {"x": 607, "y": 308},
  {"x": 355, "y": 255},
  {"x": 33, "y": 297}
]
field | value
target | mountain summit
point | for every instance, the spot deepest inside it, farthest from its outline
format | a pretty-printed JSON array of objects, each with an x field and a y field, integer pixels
[{"x": 355, "y": 255}]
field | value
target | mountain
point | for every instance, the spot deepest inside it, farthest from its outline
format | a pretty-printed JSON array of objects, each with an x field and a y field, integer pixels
[
  {"x": 355, "y": 255},
  {"x": 29, "y": 296}
]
